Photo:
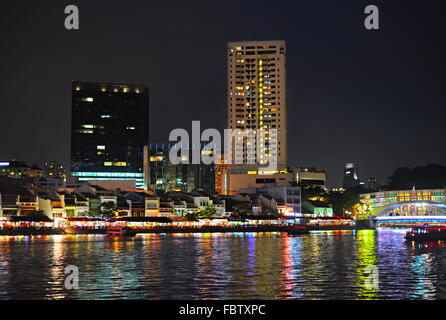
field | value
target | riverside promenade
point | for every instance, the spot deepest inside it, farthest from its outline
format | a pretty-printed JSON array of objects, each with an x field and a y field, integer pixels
[{"x": 163, "y": 229}]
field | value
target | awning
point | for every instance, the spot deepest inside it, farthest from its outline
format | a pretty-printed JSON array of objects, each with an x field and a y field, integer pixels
[
  {"x": 262, "y": 217},
  {"x": 84, "y": 219},
  {"x": 253, "y": 217},
  {"x": 330, "y": 218},
  {"x": 41, "y": 218},
  {"x": 144, "y": 219}
]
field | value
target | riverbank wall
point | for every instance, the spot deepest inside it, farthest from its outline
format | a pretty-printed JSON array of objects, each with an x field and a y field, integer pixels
[
  {"x": 30, "y": 231},
  {"x": 340, "y": 228}
]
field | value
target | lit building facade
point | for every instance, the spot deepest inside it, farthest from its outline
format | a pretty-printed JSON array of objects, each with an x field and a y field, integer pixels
[
  {"x": 287, "y": 198},
  {"x": 19, "y": 169},
  {"x": 232, "y": 183},
  {"x": 109, "y": 129},
  {"x": 257, "y": 96},
  {"x": 54, "y": 170},
  {"x": 384, "y": 198},
  {"x": 221, "y": 168},
  {"x": 316, "y": 208},
  {"x": 307, "y": 176},
  {"x": 291, "y": 197},
  {"x": 14, "y": 169}
]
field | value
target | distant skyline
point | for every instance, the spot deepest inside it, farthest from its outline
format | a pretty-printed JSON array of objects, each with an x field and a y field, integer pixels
[{"x": 375, "y": 98}]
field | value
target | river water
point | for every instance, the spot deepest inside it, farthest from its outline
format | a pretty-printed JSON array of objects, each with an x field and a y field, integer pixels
[{"x": 366, "y": 264}]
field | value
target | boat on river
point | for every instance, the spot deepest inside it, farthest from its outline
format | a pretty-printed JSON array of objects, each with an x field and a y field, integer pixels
[
  {"x": 426, "y": 234},
  {"x": 120, "y": 231},
  {"x": 297, "y": 229}
]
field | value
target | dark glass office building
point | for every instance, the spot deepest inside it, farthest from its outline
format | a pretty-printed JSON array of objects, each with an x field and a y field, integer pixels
[
  {"x": 181, "y": 177},
  {"x": 109, "y": 129},
  {"x": 351, "y": 178}
]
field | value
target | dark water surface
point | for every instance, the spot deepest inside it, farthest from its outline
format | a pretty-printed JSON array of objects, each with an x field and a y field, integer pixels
[{"x": 320, "y": 265}]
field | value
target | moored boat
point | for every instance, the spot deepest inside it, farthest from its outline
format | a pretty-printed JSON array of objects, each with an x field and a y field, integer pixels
[
  {"x": 426, "y": 233},
  {"x": 297, "y": 229},
  {"x": 120, "y": 231}
]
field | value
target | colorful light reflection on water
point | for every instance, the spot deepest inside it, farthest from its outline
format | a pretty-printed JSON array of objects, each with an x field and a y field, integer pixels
[{"x": 320, "y": 265}]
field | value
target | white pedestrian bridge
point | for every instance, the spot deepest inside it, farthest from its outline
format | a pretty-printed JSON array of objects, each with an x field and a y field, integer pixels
[{"x": 410, "y": 213}]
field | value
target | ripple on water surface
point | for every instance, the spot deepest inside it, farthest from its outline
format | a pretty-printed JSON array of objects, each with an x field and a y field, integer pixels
[{"x": 365, "y": 264}]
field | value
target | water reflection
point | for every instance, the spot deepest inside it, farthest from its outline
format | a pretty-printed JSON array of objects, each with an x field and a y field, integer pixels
[
  {"x": 320, "y": 265},
  {"x": 368, "y": 271},
  {"x": 422, "y": 285},
  {"x": 57, "y": 270}
]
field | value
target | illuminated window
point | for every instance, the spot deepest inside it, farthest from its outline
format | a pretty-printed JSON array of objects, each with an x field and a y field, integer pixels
[
  {"x": 108, "y": 174},
  {"x": 89, "y": 99},
  {"x": 108, "y": 164},
  {"x": 100, "y": 147}
]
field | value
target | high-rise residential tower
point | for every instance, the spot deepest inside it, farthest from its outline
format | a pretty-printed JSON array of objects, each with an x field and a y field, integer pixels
[
  {"x": 109, "y": 129},
  {"x": 257, "y": 92}
]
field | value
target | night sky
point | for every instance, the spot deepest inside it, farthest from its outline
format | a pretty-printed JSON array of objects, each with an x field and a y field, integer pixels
[{"x": 374, "y": 97}]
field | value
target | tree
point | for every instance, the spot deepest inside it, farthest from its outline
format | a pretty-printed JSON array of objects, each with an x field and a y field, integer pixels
[
  {"x": 208, "y": 212},
  {"x": 431, "y": 176},
  {"x": 312, "y": 192},
  {"x": 109, "y": 210},
  {"x": 191, "y": 216},
  {"x": 242, "y": 209},
  {"x": 346, "y": 201},
  {"x": 94, "y": 213}
]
